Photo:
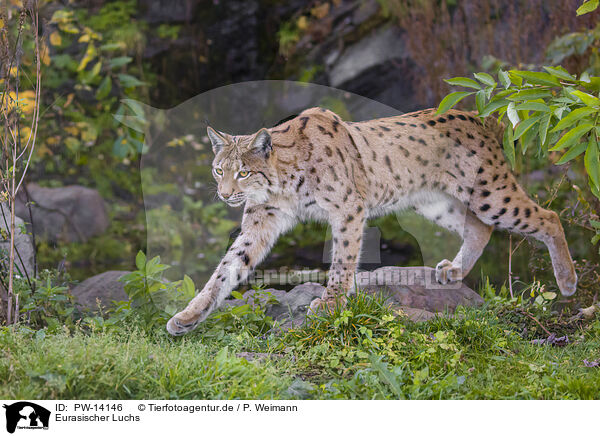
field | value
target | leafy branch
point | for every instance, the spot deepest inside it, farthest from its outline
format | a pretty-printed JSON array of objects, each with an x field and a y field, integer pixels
[{"x": 548, "y": 111}]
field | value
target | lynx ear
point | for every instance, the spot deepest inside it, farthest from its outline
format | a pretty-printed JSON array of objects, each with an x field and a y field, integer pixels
[
  {"x": 261, "y": 143},
  {"x": 217, "y": 139}
]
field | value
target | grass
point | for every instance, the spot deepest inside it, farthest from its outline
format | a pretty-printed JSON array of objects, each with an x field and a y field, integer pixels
[{"x": 361, "y": 351}]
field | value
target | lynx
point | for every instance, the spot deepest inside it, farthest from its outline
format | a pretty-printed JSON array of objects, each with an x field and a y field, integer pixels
[{"x": 449, "y": 169}]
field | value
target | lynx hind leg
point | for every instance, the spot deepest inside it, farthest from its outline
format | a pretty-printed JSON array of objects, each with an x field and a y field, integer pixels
[
  {"x": 511, "y": 209},
  {"x": 451, "y": 214}
]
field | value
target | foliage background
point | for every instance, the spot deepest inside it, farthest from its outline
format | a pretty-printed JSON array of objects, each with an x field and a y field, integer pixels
[{"x": 104, "y": 58}]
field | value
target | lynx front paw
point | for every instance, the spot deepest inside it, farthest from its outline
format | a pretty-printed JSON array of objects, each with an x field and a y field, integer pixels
[
  {"x": 446, "y": 273},
  {"x": 178, "y": 326}
]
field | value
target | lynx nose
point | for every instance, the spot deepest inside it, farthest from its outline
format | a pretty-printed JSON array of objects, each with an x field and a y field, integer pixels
[{"x": 226, "y": 195}]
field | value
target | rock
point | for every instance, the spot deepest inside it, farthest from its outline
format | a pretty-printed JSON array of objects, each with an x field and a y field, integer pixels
[
  {"x": 25, "y": 251},
  {"x": 416, "y": 287},
  {"x": 411, "y": 290},
  {"x": 372, "y": 66},
  {"x": 416, "y": 315},
  {"x": 291, "y": 307},
  {"x": 104, "y": 287},
  {"x": 70, "y": 213},
  {"x": 376, "y": 49}
]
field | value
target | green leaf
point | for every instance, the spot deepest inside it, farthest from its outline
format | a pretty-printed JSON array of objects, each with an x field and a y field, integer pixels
[
  {"x": 533, "y": 106},
  {"x": 592, "y": 164},
  {"x": 140, "y": 261},
  {"x": 517, "y": 80},
  {"x": 104, "y": 88},
  {"x": 188, "y": 285},
  {"x": 561, "y": 73},
  {"x": 528, "y": 137},
  {"x": 385, "y": 375},
  {"x": 530, "y": 94},
  {"x": 512, "y": 114},
  {"x": 485, "y": 78},
  {"x": 463, "y": 81},
  {"x": 573, "y": 117},
  {"x": 480, "y": 100},
  {"x": 509, "y": 146},
  {"x": 451, "y": 100},
  {"x": 504, "y": 79},
  {"x": 588, "y": 99},
  {"x": 537, "y": 78},
  {"x": 587, "y": 7},
  {"x": 120, "y": 61},
  {"x": 525, "y": 125},
  {"x": 572, "y": 153},
  {"x": 237, "y": 295},
  {"x": 493, "y": 107},
  {"x": 572, "y": 136},
  {"x": 129, "y": 81}
]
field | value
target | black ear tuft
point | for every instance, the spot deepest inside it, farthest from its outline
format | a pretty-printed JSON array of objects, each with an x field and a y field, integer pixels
[
  {"x": 261, "y": 143},
  {"x": 217, "y": 139}
]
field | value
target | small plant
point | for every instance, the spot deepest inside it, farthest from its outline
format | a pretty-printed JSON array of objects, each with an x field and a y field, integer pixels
[
  {"x": 151, "y": 297},
  {"x": 248, "y": 318},
  {"x": 49, "y": 304}
]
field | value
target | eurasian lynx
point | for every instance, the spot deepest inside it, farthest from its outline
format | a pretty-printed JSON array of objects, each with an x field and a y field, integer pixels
[{"x": 449, "y": 168}]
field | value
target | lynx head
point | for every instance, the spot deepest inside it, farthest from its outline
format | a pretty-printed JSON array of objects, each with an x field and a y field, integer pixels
[{"x": 243, "y": 166}]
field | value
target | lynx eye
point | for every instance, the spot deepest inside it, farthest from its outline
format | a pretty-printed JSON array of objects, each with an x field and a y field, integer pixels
[
  {"x": 243, "y": 174},
  {"x": 219, "y": 171}
]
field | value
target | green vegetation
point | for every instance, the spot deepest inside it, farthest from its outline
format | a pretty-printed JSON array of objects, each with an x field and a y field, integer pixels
[
  {"x": 95, "y": 65},
  {"x": 360, "y": 352}
]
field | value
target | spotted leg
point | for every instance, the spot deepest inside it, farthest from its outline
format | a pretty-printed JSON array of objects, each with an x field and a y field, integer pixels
[{"x": 261, "y": 226}]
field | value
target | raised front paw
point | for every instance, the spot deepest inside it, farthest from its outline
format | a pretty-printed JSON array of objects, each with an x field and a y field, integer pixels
[
  {"x": 179, "y": 325},
  {"x": 446, "y": 272},
  {"x": 326, "y": 304}
]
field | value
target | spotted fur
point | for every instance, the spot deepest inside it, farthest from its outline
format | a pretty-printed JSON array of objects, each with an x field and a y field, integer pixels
[{"x": 448, "y": 168}]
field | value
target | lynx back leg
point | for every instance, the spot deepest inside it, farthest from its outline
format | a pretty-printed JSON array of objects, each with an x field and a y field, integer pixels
[
  {"x": 508, "y": 207},
  {"x": 454, "y": 216}
]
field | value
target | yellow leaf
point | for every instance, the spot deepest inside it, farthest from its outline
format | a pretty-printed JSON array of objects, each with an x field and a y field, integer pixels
[
  {"x": 68, "y": 28},
  {"x": 25, "y": 132},
  {"x": 69, "y": 100},
  {"x": 90, "y": 54},
  {"x": 84, "y": 38},
  {"x": 1, "y": 23},
  {"x": 44, "y": 56},
  {"x": 26, "y": 101},
  {"x": 72, "y": 130},
  {"x": 55, "y": 38},
  {"x": 320, "y": 11},
  {"x": 302, "y": 23}
]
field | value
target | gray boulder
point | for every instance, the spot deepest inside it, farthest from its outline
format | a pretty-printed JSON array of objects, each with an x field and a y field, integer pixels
[
  {"x": 25, "y": 251},
  {"x": 411, "y": 290},
  {"x": 104, "y": 288},
  {"x": 70, "y": 213},
  {"x": 416, "y": 287}
]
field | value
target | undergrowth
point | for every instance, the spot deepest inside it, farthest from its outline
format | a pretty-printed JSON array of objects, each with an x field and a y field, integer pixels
[{"x": 524, "y": 346}]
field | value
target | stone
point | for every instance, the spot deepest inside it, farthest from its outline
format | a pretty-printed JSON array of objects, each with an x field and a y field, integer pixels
[
  {"x": 25, "y": 250},
  {"x": 376, "y": 49},
  {"x": 104, "y": 287},
  {"x": 412, "y": 292},
  {"x": 416, "y": 287},
  {"x": 70, "y": 213},
  {"x": 372, "y": 67},
  {"x": 291, "y": 307}
]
